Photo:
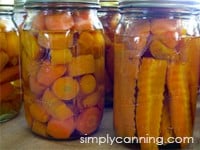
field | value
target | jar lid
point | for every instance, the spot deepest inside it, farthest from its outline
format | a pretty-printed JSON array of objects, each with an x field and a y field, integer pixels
[
  {"x": 6, "y": 2},
  {"x": 160, "y": 3},
  {"x": 62, "y": 1},
  {"x": 19, "y": 2},
  {"x": 109, "y": 3},
  {"x": 7, "y": 5}
]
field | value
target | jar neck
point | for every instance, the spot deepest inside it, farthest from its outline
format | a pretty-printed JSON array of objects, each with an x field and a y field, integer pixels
[{"x": 57, "y": 5}]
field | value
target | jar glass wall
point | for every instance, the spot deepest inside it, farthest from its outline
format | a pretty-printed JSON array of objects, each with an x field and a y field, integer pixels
[
  {"x": 10, "y": 83},
  {"x": 109, "y": 16},
  {"x": 157, "y": 51},
  {"x": 63, "y": 68}
]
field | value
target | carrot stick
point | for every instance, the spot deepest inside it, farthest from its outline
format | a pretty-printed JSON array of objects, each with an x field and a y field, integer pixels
[
  {"x": 178, "y": 86},
  {"x": 3, "y": 60},
  {"x": 126, "y": 68},
  {"x": 151, "y": 82},
  {"x": 9, "y": 74}
]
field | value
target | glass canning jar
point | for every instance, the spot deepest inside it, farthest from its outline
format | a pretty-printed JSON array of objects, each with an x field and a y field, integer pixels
[
  {"x": 10, "y": 83},
  {"x": 63, "y": 68},
  {"x": 109, "y": 16},
  {"x": 19, "y": 12},
  {"x": 157, "y": 54}
]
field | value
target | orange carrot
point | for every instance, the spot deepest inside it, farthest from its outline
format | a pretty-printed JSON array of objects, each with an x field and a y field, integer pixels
[
  {"x": 61, "y": 129},
  {"x": 38, "y": 112},
  {"x": 27, "y": 114},
  {"x": 61, "y": 56},
  {"x": 100, "y": 70},
  {"x": 48, "y": 73},
  {"x": 9, "y": 74},
  {"x": 38, "y": 21},
  {"x": 125, "y": 70},
  {"x": 55, "y": 107},
  {"x": 92, "y": 99},
  {"x": 3, "y": 60},
  {"x": 87, "y": 84},
  {"x": 6, "y": 90},
  {"x": 39, "y": 128},
  {"x": 150, "y": 99},
  {"x": 178, "y": 86},
  {"x": 36, "y": 87},
  {"x": 88, "y": 121},
  {"x": 59, "y": 21},
  {"x": 3, "y": 41},
  {"x": 65, "y": 88},
  {"x": 81, "y": 65}
]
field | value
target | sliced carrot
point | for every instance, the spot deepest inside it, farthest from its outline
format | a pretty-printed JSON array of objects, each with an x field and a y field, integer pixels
[
  {"x": 150, "y": 99},
  {"x": 55, "y": 41},
  {"x": 92, "y": 99},
  {"x": 3, "y": 60},
  {"x": 3, "y": 40},
  {"x": 65, "y": 88},
  {"x": 159, "y": 26},
  {"x": 87, "y": 84},
  {"x": 178, "y": 86},
  {"x": 27, "y": 115},
  {"x": 89, "y": 120},
  {"x": 59, "y": 21},
  {"x": 57, "y": 108},
  {"x": 81, "y": 65},
  {"x": 100, "y": 69},
  {"x": 38, "y": 22},
  {"x": 160, "y": 51},
  {"x": 13, "y": 44},
  {"x": 9, "y": 74},
  {"x": 31, "y": 46},
  {"x": 38, "y": 112},
  {"x": 124, "y": 91},
  {"x": 83, "y": 20},
  {"x": 6, "y": 90},
  {"x": 48, "y": 73},
  {"x": 36, "y": 87},
  {"x": 39, "y": 128},
  {"x": 61, "y": 56},
  {"x": 28, "y": 96},
  {"x": 61, "y": 129}
]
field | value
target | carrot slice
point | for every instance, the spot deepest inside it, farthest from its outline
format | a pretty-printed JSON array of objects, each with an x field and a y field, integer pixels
[
  {"x": 61, "y": 129},
  {"x": 55, "y": 107},
  {"x": 59, "y": 21},
  {"x": 65, "y": 88},
  {"x": 87, "y": 84},
  {"x": 39, "y": 128},
  {"x": 3, "y": 60},
  {"x": 89, "y": 120},
  {"x": 48, "y": 73},
  {"x": 150, "y": 99},
  {"x": 83, "y": 20},
  {"x": 36, "y": 87},
  {"x": 61, "y": 56},
  {"x": 92, "y": 99},
  {"x": 124, "y": 91},
  {"x": 178, "y": 86},
  {"x": 81, "y": 65},
  {"x": 3, "y": 41},
  {"x": 38, "y": 22},
  {"x": 9, "y": 74},
  {"x": 6, "y": 90},
  {"x": 13, "y": 44},
  {"x": 100, "y": 69},
  {"x": 38, "y": 112},
  {"x": 52, "y": 40}
]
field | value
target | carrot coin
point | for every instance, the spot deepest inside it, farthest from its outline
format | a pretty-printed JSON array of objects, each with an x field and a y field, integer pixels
[{"x": 87, "y": 84}]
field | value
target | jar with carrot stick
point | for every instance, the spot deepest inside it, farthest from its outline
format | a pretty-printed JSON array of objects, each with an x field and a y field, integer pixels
[
  {"x": 156, "y": 72},
  {"x": 109, "y": 16},
  {"x": 63, "y": 68},
  {"x": 10, "y": 81}
]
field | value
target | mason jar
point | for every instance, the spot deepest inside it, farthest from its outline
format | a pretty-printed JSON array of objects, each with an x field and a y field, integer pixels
[
  {"x": 109, "y": 15},
  {"x": 10, "y": 83},
  {"x": 19, "y": 12},
  {"x": 63, "y": 68},
  {"x": 156, "y": 68}
]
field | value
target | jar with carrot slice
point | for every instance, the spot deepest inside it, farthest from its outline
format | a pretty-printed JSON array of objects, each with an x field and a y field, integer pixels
[
  {"x": 109, "y": 15},
  {"x": 62, "y": 68},
  {"x": 10, "y": 79},
  {"x": 156, "y": 72}
]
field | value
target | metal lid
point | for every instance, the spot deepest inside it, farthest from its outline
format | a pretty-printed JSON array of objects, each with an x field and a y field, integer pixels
[
  {"x": 160, "y": 3},
  {"x": 109, "y": 3},
  {"x": 6, "y": 5},
  {"x": 19, "y": 2},
  {"x": 68, "y": 1}
]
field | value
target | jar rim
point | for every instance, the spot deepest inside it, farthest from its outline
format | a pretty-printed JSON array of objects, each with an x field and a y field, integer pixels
[
  {"x": 194, "y": 4},
  {"x": 68, "y": 1},
  {"x": 109, "y": 3}
]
